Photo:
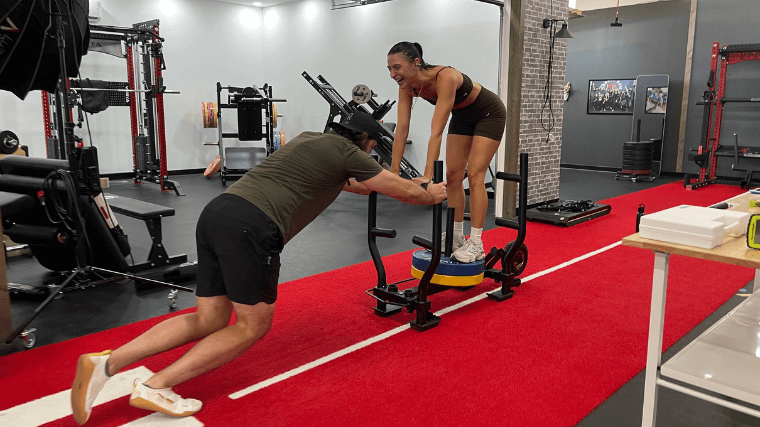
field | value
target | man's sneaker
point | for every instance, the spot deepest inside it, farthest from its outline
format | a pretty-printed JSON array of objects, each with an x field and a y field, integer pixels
[
  {"x": 163, "y": 400},
  {"x": 89, "y": 380},
  {"x": 456, "y": 242},
  {"x": 469, "y": 252}
]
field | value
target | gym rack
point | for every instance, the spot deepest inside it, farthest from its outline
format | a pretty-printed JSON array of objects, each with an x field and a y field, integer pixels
[
  {"x": 145, "y": 62},
  {"x": 339, "y": 107},
  {"x": 707, "y": 153},
  {"x": 249, "y": 103}
]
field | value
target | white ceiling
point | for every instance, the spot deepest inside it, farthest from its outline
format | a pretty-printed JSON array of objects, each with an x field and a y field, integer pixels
[{"x": 579, "y": 4}]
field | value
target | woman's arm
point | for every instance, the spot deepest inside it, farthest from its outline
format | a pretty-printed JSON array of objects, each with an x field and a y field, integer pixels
[
  {"x": 402, "y": 128},
  {"x": 446, "y": 87}
]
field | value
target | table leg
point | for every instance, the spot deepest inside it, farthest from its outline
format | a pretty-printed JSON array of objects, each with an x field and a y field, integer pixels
[
  {"x": 654, "y": 344},
  {"x": 756, "y": 282}
]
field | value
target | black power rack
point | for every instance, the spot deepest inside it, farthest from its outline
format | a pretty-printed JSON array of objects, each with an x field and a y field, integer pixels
[{"x": 339, "y": 107}]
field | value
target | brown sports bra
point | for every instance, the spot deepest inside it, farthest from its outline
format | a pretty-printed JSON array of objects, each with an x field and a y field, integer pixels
[{"x": 461, "y": 93}]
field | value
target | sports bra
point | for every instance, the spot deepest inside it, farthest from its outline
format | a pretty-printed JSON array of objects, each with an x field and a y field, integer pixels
[{"x": 461, "y": 93}]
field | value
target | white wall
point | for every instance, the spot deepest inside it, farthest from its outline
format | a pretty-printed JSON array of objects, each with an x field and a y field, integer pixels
[
  {"x": 206, "y": 43},
  {"x": 349, "y": 47}
]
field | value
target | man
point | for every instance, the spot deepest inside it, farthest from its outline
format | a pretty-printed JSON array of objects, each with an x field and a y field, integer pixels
[{"x": 239, "y": 237}]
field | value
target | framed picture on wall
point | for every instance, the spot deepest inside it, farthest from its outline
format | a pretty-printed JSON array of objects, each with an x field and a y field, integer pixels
[
  {"x": 657, "y": 100},
  {"x": 612, "y": 96}
]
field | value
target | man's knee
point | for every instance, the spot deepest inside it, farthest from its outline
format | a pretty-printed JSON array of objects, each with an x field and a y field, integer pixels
[{"x": 254, "y": 321}]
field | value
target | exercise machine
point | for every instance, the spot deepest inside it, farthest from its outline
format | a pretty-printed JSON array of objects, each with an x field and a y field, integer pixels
[
  {"x": 145, "y": 63},
  {"x": 440, "y": 273},
  {"x": 361, "y": 95},
  {"x": 250, "y": 102},
  {"x": 714, "y": 102}
]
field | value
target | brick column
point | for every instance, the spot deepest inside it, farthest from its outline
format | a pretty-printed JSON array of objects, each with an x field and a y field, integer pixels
[{"x": 544, "y": 157}]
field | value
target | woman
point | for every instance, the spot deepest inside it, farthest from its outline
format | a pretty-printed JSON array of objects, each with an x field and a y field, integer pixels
[{"x": 478, "y": 118}]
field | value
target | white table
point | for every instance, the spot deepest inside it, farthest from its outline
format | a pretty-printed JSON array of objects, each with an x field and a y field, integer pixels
[{"x": 725, "y": 359}]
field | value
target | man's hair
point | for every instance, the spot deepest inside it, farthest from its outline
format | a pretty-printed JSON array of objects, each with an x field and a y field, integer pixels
[{"x": 358, "y": 138}]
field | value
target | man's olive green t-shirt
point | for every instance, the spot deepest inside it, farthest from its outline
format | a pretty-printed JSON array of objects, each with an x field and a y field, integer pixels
[{"x": 298, "y": 181}]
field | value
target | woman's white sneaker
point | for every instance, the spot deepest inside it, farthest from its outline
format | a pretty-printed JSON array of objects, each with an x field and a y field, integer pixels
[
  {"x": 163, "y": 400},
  {"x": 471, "y": 251}
]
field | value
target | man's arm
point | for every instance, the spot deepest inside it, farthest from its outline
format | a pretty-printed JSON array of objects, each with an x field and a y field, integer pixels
[
  {"x": 405, "y": 190},
  {"x": 354, "y": 186}
]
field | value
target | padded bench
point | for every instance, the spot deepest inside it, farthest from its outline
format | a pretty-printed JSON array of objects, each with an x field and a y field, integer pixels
[
  {"x": 13, "y": 203},
  {"x": 151, "y": 214}
]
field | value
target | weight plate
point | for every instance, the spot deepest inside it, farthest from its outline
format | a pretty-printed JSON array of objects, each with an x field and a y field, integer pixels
[
  {"x": 209, "y": 115},
  {"x": 8, "y": 142},
  {"x": 361, "y": 94}
]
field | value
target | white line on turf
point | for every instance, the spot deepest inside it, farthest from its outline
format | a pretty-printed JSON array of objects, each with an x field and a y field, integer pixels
[
  {"x": 367, "y": 342},
  {"x": 58, "y": 405}
]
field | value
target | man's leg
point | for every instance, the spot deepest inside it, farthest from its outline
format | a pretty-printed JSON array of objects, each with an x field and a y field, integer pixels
[
  {"x": 219, "y": 348},
  {"x": 213, "y": 314},
  {"x": 93, "y": 370},
  {"x": 253, "y": 322}
]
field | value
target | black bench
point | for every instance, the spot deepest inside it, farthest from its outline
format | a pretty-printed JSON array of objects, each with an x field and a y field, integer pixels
[
  {"x": 13, "y": 203},
  {"x": 151, "y": 214}
]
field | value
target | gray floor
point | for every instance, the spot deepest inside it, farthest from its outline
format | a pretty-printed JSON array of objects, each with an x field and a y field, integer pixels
[{"x": 336, "y": 239}]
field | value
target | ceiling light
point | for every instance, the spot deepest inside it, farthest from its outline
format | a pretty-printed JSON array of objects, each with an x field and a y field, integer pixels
[
  {"x": 167, "y": 8},
  {"x": 257, "y": 4},
  {"x": 249, "y": 19}
]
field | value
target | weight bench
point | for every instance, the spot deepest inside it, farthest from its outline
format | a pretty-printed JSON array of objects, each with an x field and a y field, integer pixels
[{"x": 151, "y": 214}]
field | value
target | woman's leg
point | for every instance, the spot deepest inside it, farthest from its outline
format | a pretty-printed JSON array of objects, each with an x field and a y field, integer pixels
[
  {"x": 480, "y": 156},
  {"x": 457, "y": 151}
]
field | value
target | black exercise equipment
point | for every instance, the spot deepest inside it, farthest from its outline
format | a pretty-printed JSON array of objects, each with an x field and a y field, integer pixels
[
  {"x": 255, "y": 120},
  {"x": 8, "y": 142},
  {"x": 144, "y": 64},
  {"x": 339, "y": 107},
  {"x": 714, "y": 101},
  {"x": 513, "y": 257},
  {"x": 69, "y": 227}
]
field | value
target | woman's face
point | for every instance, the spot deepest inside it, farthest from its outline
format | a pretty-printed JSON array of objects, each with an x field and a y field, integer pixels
[{"x": 401, "y": 70}]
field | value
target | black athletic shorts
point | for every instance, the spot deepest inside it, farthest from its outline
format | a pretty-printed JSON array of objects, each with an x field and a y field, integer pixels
[
  {"x": 238, "y": 251},
  {"x": 486, "y": 117}
]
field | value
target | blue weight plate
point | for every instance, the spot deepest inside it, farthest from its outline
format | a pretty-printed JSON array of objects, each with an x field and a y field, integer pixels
[{"x": 447, "y": 267}]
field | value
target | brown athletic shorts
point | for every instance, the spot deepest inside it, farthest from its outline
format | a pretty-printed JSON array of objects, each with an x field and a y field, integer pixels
[{"x": 486, "y": 117}]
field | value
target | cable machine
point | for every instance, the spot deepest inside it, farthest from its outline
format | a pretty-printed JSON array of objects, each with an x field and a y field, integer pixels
[
  {"x": 707, "y": 153},
  {"x": 145, "y": 63}
]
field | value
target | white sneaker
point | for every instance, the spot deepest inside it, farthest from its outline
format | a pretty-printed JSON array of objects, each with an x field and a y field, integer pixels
[
  {"x": 163, "y": 400},
  {"x": 456, "y": 242},
  {"x": 89, "y": 380},
  {"x": 469, "y": 252}
]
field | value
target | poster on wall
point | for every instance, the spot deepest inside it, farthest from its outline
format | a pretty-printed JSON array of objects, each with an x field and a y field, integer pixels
[
  {"x": 612, "y": 96},
  {"x": 657, "y": 100}
]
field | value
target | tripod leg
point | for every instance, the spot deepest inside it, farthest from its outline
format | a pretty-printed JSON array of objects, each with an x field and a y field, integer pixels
[
  {"x": 142, "y": 279},
  {"x": 42, "y": 306}
]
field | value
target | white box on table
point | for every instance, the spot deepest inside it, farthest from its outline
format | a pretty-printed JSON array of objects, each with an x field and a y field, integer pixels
[{"x": 693, "y": 225}]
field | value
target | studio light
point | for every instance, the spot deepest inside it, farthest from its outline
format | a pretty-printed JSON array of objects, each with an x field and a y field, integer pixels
[{"x": 30, "y": 57}]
